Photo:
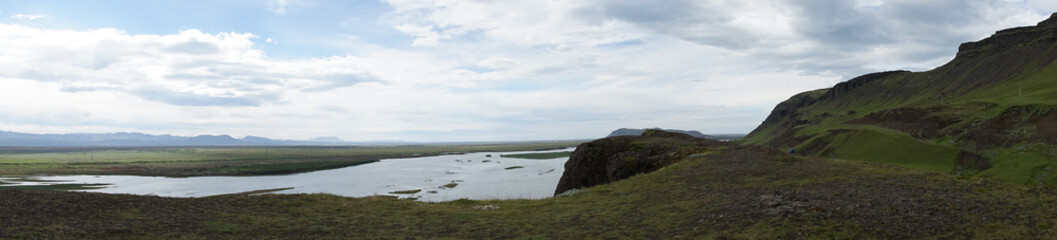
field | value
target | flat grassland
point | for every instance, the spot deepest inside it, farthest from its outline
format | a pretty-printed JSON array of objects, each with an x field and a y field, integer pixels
[{"x": 224, "y": 161}]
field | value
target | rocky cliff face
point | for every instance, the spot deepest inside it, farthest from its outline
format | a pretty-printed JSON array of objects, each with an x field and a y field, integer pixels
[
  {"x": 615, "y": 158},
  {"x": 1008, "y": 38}
]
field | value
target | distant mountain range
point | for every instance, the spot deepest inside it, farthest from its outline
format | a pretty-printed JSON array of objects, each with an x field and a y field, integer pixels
[
  {"x": 16, "y": 139},
  {"x": 638, "y": 132}
]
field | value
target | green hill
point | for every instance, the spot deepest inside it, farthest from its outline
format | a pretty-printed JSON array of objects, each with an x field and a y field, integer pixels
[{"x": 989, "y": 112}]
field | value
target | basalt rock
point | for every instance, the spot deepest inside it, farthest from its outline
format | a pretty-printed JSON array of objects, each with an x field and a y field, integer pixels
[{"x": 615, "y": 158}]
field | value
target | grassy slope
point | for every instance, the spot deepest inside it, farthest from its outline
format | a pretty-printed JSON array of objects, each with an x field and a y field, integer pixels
[
  {"x": 738, "y": 192},
  {"x": 1025, "y": 164},
  {"x": 870, "y": 145},
  {"x": 1021, "y": 162},
  {"x": 223, "y": 160}
]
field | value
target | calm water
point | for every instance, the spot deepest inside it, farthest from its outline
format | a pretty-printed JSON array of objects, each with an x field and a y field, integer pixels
[{"x": 478, "y": 177}]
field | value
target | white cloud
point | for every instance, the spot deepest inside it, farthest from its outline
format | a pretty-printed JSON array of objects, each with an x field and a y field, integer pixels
[
  {"x": 29, "y": 17},
  {"x": 425, "y": 35},
  {"x": 816, "y": 36},
  {"x": 484, "y": 70},
  {"x": 726, "y": 54},
  {"x": 527, "y": 23},
  {"x": 497, "y": 63},
  {"x": 190, "y": 72},
  {"x": 278, "y": 6},
  {"x": 194, "y": 82}
]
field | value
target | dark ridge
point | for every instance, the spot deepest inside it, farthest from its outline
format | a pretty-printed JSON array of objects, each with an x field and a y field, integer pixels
[
  {"x": 843, "y": 88},
  {"x": 638, "y": 132},
  {"x": 1050, "y": 22},
  {"x": 1007, "y": 38},
  {"x": 788, "y": 108}
]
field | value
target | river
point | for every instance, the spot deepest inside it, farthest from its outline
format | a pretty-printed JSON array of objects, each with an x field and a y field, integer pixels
[{"x": 477, "y": 176}]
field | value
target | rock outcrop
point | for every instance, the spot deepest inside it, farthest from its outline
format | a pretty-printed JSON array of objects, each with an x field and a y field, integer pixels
[
  {"x": 615, "y": 158},
  {"x": 637, "y": 132},
  {"x": 1007, "y": 38}
]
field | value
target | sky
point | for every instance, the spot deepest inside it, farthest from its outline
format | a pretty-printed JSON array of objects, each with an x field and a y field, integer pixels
[{"x": 456, "y": 70}]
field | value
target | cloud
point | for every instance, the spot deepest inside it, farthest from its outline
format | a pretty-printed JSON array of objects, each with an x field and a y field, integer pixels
[
  {"x": 278, "y": 6},
  {"x": 29, "y": 17},
  {"x": 484, "y": 70},
  {"x": 818, "y": 36},
  {"x": 198, "y": 100},
  {"x": 497, "y": 63},
  {"x": 336, "y": 81},
  {"x": 190, "y": 68},
  {"x": 194, "y": 47},
  {"x": 424, "y": 35},
  {"x": 723, "y": 55},
  {"x": 527, "y": 23},
  {"x": 705, "y": 22}
]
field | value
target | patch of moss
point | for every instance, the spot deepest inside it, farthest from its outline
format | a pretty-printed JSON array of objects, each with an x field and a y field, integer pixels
[{"x": 903, "y": 150}]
